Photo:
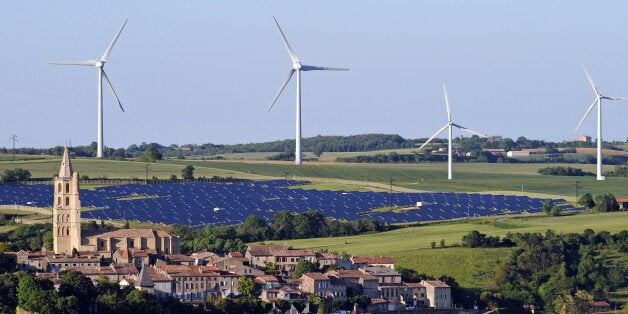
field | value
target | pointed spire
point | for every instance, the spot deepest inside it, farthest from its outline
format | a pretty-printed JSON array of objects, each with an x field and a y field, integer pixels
[
  {"x": 65, "y": 171},
  {"x": 143, "y": 279}
]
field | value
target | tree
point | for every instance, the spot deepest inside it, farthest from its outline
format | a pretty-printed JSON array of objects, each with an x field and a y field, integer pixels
[
  {"x": 76, "y": 284},
  {"x": 188, "y": 173},
  {"x": 473, "y": 239},
  {"x": 36, "y": 294},
  {"x": 14, "y": 176},
  {"x": 315, "y": 300},
  {"x": 282, "y": 305},
  {"x": 151, "y": 155},
  {"x": 8, "y": 292},
  {"x": 299, "y": 305},
  {"x": 606, "y": 203},
  {"x": 548, "y": 206},
  {"x": 303, "y": 267},
  {"x": 362, "y": 301},
  {"x": 247, "y": 286},
  {"x": 586, "y": 200},
  {"x": 283, "y": 225}
]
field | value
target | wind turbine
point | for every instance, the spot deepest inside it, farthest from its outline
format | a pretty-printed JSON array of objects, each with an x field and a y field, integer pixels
[
  {"x": 297, "y": 67},
  {"x": 449, "y": 126},
  {"x": 101, "y": 74},
  {"x": 597, "y": 101}
]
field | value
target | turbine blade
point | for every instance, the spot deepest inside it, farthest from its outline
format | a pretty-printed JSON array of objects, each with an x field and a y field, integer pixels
[
  {"x": 616, "y": 98},
  {"x": 586, "y": 113},
  {"x": 317, "y": 68},
  {"x": 293, "y": 56},
  {"x": 84, "y": 63},
  {"x": 281, "y": 89},
  {"x": 590, "y": 79},
  {"x": 468, "y": 130},
  {"x": 435, "y": 135},
  {"x": 105, "y": 56},
  {"x": 447, "y": 103},
  {"x": 112, "y": 90}
]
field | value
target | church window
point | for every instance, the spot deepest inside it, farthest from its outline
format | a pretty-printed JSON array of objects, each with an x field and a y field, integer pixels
[
  {"x": 67, "y": 201},
  {"x": 58, "y": 230},
  {"x": 67, "y": 188},
  {"x": 58, "y": 201},
  {"x": 67, "y": 231},
  {"x": 59, "y": 187}
]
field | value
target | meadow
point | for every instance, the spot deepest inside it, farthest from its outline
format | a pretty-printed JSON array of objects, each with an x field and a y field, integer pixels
[{"x": 473, "y": 268}]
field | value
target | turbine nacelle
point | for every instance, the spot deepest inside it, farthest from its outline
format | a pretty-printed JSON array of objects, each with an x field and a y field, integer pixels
[{"x": 296, "y": 65}]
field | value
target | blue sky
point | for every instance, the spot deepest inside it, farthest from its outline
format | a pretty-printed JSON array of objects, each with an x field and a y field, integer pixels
[{"x": 205, "y": 71}]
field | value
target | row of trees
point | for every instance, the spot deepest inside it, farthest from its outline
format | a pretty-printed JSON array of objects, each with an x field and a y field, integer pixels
[
  {"x": 564, "y": 171},
  {"x": 317, "y": 144},
  {"x": 284, "y": 225}
]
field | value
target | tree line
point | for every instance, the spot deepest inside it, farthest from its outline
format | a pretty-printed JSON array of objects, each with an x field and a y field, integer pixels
[
  {"x": 318, "y": 144},
  {"x": 284, "y": 225}
]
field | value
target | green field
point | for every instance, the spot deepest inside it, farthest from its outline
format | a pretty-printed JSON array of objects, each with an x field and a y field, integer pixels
[
  {"x": 473, "y": 268},
  {"x": 468, "y": 177}
]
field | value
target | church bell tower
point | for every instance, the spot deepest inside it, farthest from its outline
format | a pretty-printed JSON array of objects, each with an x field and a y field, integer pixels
[{"x": 66, "y": 211}]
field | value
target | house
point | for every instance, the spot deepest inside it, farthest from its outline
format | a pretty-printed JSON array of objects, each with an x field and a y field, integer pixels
[
  {"x": 326, "y": 259},
  {"x": 623, "y": 203},
  {"x": 323, "y": 285},
  {"x": 358, "y": 281},
  {"x": 281, "y": 256},
  {"x": 384, "y": 274},
  {"x": 192, "y": 283},
  {"x": 55, "y": 263},
  {"x": 438, "y": 294},
  {"x": 366, "y": 261},
  {"x": 415, "y": 295}
]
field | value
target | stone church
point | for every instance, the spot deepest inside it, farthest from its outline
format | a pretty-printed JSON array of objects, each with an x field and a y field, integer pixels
[{"x": 66, "y": 223}]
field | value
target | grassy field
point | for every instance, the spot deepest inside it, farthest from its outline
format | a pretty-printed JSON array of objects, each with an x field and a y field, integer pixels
[
  {"x": 469, "y": 177},
  {"x": 432, "y": 176},
  {"x": 412, "y": 247}
]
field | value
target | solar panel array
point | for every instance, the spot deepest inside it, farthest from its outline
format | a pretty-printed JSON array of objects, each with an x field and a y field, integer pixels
[{"x": 204, "y": 203}]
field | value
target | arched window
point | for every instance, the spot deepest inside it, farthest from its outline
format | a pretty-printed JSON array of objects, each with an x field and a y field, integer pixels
[
  {"x": 58, "y": 230},
  {"x": 67, "y": 188},
  {"x": 58, "y": 201},
  {"x": 67, "y": 231},
  {"x": 67, "y": 201},
  {"x": 59, "y": 187}
]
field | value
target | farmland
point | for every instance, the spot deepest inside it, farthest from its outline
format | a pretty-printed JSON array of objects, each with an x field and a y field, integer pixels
[{"x": 468, "y": 177}]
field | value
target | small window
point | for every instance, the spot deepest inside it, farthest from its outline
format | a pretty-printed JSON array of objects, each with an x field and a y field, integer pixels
[{"x": 67, "y": 188}]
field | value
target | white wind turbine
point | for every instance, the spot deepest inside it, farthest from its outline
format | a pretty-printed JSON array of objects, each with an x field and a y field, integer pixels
[
  {"x": 297, "y": 67},
  {"x": 597, "y": 101},
  {"x": 449, "y": 126},
  {"x": 101, "y": 74}
]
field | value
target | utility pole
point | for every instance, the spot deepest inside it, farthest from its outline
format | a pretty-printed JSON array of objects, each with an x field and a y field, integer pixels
[
  {"x": 14, "y": 139},
  {"x": 146, "y": 179},
  {"x": 578, "y": 187}
]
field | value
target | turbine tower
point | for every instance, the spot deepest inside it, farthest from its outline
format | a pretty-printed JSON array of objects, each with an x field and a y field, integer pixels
[
  {"x": 297, "y": 67},
  {"x": 101, "y": 74},
  {"x": 449, "y": 126},
  {"x": 597, "y": 101}
]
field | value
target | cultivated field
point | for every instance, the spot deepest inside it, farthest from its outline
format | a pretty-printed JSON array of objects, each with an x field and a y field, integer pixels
[
  {"x": 472, "y": 268},
  {"x": 468, "y": 177}
]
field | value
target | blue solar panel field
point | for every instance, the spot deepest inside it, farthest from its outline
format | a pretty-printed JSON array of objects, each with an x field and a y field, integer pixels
[{"x": 230, "y": 203}]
